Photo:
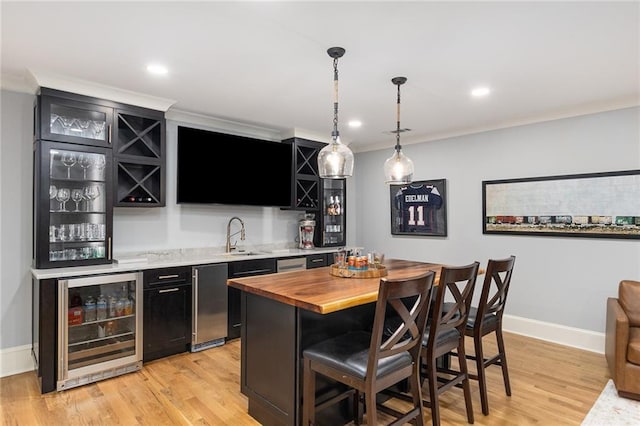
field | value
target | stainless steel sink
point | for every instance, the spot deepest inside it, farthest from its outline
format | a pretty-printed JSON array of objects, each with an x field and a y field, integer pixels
[{"x": 244, "y": 253}]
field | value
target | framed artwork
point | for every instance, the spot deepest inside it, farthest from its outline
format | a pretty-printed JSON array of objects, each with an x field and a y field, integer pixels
[
  {"x": 419, "y": 208},
  {"x": 601, "y": 205}
]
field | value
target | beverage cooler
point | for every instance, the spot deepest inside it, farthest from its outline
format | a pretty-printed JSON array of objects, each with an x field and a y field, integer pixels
[
  {"x": 99, "y": 328},
  {"x": 331, "y": 225},
  {"x": 73, "y": 206}
]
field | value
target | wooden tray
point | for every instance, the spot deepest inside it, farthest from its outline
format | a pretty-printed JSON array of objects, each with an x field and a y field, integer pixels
[{"x": 358, "y": 273}]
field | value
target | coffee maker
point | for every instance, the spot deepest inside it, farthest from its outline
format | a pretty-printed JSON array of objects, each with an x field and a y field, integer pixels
[{"x": 306, "y": 227}]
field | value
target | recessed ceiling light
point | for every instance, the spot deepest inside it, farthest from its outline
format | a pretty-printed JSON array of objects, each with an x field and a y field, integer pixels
[
  {"x": 157, "y": 69},
  {"x": 354, "y": 124},
  {"x": 479, "y": 92}
]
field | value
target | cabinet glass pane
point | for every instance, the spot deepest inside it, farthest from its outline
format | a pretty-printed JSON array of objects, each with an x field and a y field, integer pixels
[
  {"x": 77, "y": 205},
  {"x": 333, "y": 212},
  {"x": 65, "y": 120}
]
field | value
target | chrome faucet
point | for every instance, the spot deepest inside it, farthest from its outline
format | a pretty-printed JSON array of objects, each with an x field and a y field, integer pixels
[{"x": 229, "y": 234}]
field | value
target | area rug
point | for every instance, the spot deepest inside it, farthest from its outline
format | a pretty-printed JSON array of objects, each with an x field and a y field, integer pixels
[{"x": 611, "y": 410}]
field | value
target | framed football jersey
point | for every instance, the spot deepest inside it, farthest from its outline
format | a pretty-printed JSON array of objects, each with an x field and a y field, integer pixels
[{"x": 419, "y": 208}]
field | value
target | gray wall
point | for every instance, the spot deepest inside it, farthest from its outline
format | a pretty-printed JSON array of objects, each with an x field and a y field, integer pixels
[
  {"x": 559, "y": 280},
  {"x": 556, "y": 279},
  {"x": 15, "y": 218}
]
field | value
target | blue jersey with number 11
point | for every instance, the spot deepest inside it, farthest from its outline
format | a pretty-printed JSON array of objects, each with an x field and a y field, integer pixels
[{"x": 416, "y": 207}]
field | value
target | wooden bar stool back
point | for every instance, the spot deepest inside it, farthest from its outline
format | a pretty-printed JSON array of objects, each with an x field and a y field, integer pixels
[
  {"x": 486, "y": 318},
  {"x": 445, "y": 333},
  {"x": 368, "y": 363}
]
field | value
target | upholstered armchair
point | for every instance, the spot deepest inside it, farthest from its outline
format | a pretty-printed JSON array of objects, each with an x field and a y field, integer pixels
[{"x": 622, "y": 347}]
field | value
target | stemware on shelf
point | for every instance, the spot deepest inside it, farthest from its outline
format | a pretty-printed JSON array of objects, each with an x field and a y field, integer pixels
[
  {"x": 77, "y": 196},
  {"x": 99, "y": 162},
  {"x": 62, "y": 196},
  {"x": 68, "y": 159},
  {"x": 83, "y": 124},
  {"x": 85, "y": 161},
  {"x": 91, "y": 192},
  {"x": 98, "y": 128},
  {"x": 67, "y": 123}
]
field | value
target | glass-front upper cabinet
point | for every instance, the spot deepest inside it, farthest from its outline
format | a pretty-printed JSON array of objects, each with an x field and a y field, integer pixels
[
  {"x": 60, "y": 117},
  {"x": 73, "y": 200},
  {"x": 332, "y": 214}
]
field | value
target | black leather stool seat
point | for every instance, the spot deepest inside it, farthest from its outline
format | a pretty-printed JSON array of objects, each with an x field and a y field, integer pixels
[
  {"x": 349, "y": 353},
  {"x": 446, "y": 337},
  {"x": 489, "y": 322}
]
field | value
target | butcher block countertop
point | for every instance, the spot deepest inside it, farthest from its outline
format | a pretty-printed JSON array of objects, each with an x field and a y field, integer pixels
[{"x": 318, "y": 291}]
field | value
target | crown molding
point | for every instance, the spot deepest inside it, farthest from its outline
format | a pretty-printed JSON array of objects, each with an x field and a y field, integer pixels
[{"x": 89, "y": 88}]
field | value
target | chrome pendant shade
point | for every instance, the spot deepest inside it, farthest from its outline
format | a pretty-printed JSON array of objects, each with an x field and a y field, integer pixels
[
  {"x": 335, "y": 161},
  {"x": 398, "y": 169}
]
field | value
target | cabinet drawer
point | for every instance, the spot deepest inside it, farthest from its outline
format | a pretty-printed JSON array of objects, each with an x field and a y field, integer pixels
[
  {"x": 318, "y": 260},
  {"x": 247, "y": 268},
  {"x": 177, "y": 275}
]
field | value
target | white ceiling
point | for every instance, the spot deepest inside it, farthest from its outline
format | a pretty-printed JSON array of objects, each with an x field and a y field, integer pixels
[{"x": 265, "y": 63}]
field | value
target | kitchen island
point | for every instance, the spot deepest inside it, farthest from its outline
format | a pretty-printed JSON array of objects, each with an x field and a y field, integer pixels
[{"x": 284, "y": 313}]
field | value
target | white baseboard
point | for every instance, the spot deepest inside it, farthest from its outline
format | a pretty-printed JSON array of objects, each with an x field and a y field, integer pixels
[
  {"x": 561, "y": 334},
  {"x": 16, "y": 360}
]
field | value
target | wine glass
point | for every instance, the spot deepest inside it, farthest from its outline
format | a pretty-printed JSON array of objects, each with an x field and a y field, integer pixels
[
  {"x": 91, "y": 192},
  {"x": 77, "y": 195},
  {"x": 84, "y": 125},
  {"x": 84, "y": 160},
  {"x": 62, "y": 196},
  {"x": 53, "y": 191},
  {"x": 98, "y": 128},
  {"x": 99, "y": 162},
  {"x": 69, "y": 159},
  {"x": 67, "y": 123}
]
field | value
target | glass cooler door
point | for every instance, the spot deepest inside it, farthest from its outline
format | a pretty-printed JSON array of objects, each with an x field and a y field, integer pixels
[{"x": 100, "y": 328}]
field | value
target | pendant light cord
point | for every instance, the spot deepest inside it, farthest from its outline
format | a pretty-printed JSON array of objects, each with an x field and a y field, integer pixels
[
  {"x": 398, "y": 147},
  {"x": 335, "y": 133}
]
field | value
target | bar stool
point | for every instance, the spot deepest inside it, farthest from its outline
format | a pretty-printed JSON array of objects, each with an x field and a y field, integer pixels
[
  {"x": 486, "y": 318},
  {"x": 445, "y": 333},
  {"x": 369, "y": 363}
]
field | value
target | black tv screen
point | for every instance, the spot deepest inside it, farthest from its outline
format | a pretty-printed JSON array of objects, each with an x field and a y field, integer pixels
[{"x": 228, "y": 169}]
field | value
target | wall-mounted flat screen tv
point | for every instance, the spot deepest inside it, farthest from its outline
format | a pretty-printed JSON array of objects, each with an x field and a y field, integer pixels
[{"x": 221, "y": 168}]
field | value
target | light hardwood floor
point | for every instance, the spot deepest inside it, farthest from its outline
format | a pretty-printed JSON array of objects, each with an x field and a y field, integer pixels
[{"x": 551, "y": 385}]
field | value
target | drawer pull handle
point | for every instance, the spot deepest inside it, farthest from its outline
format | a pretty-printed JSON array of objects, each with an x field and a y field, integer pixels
[
  {"x": 168, "y": 290},
  {"x": 317, "y": 260},
  {"x": 254, "y": 272},
  {"x": 165, "y": 277}
]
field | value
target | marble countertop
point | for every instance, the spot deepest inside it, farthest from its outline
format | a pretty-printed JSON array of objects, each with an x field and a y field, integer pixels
[{"x": 138, "y": 261}]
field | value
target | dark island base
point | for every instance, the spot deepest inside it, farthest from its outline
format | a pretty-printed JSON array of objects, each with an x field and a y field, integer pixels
[{"x": 274, "y": 335}]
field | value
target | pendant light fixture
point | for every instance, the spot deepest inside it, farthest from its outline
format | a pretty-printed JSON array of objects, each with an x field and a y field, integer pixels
[
  {"x": 398, "y": 169},
  {"x": 335, "y": 161}
]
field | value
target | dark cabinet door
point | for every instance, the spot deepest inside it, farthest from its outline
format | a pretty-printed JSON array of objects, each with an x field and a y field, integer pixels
[
  {"x": 67, "y": 117},
  {"x": 73, "y": 207},
  {"x": 245, "y": 268},
  {"x": 167, "y": 312},
  {"x": 332, "y": 221}
]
